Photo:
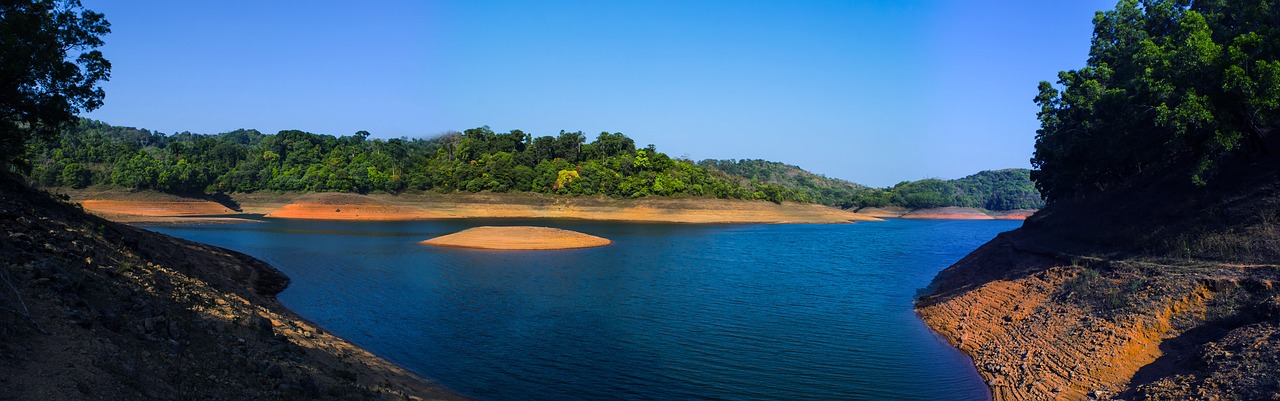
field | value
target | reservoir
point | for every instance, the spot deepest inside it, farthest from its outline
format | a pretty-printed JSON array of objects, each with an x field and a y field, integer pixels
[{"x": 666, "y": 312}]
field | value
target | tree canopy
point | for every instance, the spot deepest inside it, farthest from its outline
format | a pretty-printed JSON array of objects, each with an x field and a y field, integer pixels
[
  {"x": 1000, "y": 190},
  {"x": 1169, "y": 84},
  {"x": 477, "y": 159},
  {"x": 49, "y": 68}
]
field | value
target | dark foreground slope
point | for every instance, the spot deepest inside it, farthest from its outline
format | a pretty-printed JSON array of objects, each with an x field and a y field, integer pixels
[
  {"x": 1162, "y": 290},
  {"x": 90, "y": 309}
]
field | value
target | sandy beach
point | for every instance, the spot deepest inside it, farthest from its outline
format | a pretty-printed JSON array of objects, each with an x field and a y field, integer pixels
[
  {"x": 518, "y": 238},
  {"x": 144, "y": 207},
  {"x": 154, "y": 207}
]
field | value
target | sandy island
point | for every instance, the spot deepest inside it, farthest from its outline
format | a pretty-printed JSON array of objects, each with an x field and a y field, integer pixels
[{"x": 518, "y": 238}]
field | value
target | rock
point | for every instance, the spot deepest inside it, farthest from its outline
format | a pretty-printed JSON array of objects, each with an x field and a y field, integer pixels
[
  {"x": 84, "y": 388},
  {"x": 309, "y": 386},
  {"x": 263, "y": 325},
  {"x": 175, "y": 331},
  {"x": 273, "y": 371},
  {"x": 345, "y": 375}
]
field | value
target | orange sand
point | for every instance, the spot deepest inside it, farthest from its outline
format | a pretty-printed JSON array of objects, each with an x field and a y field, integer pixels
[
  {"x": 518, "y": 238},
  {"x": 155, "y": 208},
  {"x": 689, "y": 210},
  {"x": 1022, "y": 214}
]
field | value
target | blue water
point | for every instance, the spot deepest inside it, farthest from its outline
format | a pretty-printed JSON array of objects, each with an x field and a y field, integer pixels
[{"x": 668, "y": 312}]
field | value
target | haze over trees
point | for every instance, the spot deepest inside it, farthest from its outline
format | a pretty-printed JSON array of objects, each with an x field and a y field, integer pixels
[{"x": 1169, "y": 85}]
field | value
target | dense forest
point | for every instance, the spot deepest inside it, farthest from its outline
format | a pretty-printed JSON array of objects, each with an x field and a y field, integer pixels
[
  {"x": 1008, "y": 189},
  {"x": 93, "y": 153},
  {"x": 1170, "y": 85}
]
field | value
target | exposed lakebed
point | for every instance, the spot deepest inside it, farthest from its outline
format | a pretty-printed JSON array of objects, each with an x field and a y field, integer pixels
[{"x": 737, "y": 312}]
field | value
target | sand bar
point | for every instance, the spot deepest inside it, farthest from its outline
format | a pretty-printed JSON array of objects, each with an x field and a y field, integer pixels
[
  {"x": 156, "y": 208},
  {"x": 518, "y": 238}
]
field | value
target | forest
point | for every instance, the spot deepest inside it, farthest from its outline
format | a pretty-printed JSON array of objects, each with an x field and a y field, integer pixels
[
  {"x": 1170, "y": 87},
  {"x": 93, "y": 153}
]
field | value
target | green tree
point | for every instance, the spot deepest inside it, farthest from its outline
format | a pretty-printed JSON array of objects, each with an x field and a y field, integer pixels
[
  {"x": 75, "y": 176},
  {"x": 49, "y": 68},
  {"x": 1169, "y": 85}
]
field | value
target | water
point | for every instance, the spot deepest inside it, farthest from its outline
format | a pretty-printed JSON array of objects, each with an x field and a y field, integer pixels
[{"x": 668, "y": 312}]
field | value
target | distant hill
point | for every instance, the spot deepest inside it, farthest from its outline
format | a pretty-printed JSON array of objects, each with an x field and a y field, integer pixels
[
  {"x": 997, "y": 190},
  {"x": 1008, "y": 189},
  {"x": 817, "y": 188}
]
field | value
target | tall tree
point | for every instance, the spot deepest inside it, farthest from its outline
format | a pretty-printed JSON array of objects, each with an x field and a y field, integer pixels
[
  {"x": 1169, "y": 84},
  {"x": 49, "y": 68}
]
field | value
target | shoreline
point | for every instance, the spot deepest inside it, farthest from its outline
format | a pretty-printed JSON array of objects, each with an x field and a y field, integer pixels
[
  {"x": 154, "y": 207},
  {"x": 149, "y": 207},
  {"x": 156, "y": 317}
]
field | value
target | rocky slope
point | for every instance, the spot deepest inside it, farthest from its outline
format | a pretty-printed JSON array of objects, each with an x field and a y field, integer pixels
[
  {"x": 1159, "y": 291},
  {"x": 90, "y": 309}
]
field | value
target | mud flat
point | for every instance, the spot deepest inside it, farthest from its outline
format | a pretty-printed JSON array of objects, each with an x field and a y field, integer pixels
[
  {"x": 159, "y": 208},
  {"x": 518, "y": 238},
  {"x": 488, "y": 205}
]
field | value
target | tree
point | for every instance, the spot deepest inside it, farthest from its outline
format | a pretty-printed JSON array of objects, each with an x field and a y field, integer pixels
[
  {"x": 1169, "y": 85},
  {"x": 49, "y": 68}
]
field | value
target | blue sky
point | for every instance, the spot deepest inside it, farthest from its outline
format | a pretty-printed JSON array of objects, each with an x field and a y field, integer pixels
[{"x": 874, "y": 92}]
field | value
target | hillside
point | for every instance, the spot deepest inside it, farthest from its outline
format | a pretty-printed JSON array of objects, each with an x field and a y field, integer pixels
[
  {"x": 992, "y": 190},
  {"x": 93, "y": 153},
  {"x": 91, "y": 309},
  {"x": 1127, "y": 295},
  {"x": 1153, "y": 272},
  {"x": 813, "y": 187}
]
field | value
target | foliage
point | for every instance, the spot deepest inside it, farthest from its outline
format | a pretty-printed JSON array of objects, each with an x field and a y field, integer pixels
[
  {"x": 478, "y": 159},
  {"x": 789, "y": 179},
  {"x": 1170, "y": 85},
  {"x": 999, "y": 190},
  {"x": 993, "y": 190},
  {"x": 49, "y": 68}
]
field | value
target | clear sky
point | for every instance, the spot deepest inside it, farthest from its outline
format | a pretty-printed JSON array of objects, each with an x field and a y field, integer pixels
[{"x": 874, "y": 92}]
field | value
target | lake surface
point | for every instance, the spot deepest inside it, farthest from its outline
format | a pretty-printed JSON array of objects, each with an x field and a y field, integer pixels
[{"x": 668, "y": 312}]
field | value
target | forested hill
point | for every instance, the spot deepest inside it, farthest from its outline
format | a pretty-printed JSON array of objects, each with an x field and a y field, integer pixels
[
  {"x": 824, "y": 190},
  {"x": 93, "y": 153},
  {"x": 1008, "y": 189},
  {"x": 999, "y": 190},
  {"x": 479, "y": 159}
]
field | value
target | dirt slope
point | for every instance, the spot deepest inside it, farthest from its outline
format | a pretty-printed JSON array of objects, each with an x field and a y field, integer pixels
[
  {"x": 91, "y": 309},
  {"x": 1158, "y": 291},
  {"x": 330, "y": 206}
]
